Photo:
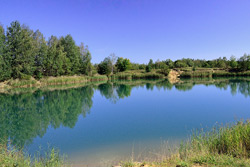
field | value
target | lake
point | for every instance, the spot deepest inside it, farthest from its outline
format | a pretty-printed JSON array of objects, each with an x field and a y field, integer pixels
[{"x": 103, "y": 123}]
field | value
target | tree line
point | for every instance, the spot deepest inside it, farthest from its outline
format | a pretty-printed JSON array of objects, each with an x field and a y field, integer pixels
[{"x": 25, "y": 53}]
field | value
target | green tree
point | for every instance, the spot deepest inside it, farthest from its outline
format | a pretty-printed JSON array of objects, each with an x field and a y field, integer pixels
[
  {"x": 164, "y": 69},
  {"x": 123, "y": 64},
  {"x": 72, "y": 53},
  {"x": 86, "y": 66},
  {"x": 244, "y": 62},
  {"x": 105, "y": 67},
  {"x": 40, "y": 53},
  {"x": 222, "y": 62},
  {"x": 233, "y": 62},
  {"x": 149, "y": 66},
  {"x": 169, "y": 63},
  {"x": 180, "y": 64},
  {"x": 20, "y": 50},
  {"x": 5, "y": 68},
  {"x": 57, "y": 63}
]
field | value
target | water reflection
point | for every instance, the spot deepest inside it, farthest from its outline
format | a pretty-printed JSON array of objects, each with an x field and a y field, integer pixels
[{"x": 26, "y": 116}]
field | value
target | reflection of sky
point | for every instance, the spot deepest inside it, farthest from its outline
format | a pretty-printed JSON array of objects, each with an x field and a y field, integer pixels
[{"x": 145, "y": 117}]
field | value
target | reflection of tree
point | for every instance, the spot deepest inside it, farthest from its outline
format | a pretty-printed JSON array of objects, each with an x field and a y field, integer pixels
[
  {"x": 166, "y": 85},
  {"x": 25, "y": 116},
  {"x": 114, "y": 92},
  {"x": 123, "y": 90},
  {"x": 239, "y": 85},
  {"x": 108, "y": 90},
  {"x": 244, "y": 88},
  {"x": 150, "y": 86},
  {"x": 222, "y": 85},
  {"x": 184, "y": 87}
]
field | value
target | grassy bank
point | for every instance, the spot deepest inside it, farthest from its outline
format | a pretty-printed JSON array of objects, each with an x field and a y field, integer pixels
[
  {"x": 11, "y": 157},
  {"x": 48, "y": 81},
  {"x": 63, "y": 80},
  {"x": 133, "y": 75},
  {"x": 127, "y": 75},
  {"x": 222, "y": 146},
  {"x": 209, "y": 73}
]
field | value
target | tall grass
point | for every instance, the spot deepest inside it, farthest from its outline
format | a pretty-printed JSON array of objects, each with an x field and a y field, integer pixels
[
  {"x": 22, "y": 83},
  {"x": 11, "y": 157},
  {"x": 47, "y": 81},
  {"x": 196, "y": 74},
  {"x": 210, "y": 74},
  {"x": 130, "y": 76},
  {"x": 230, "y": 74},
  {"x": 233, "y": 140},
  {"x": 222, "y": 146}
]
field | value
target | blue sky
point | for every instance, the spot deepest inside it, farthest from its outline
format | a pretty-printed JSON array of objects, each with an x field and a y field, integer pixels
[{"x": 141, "y": 29}]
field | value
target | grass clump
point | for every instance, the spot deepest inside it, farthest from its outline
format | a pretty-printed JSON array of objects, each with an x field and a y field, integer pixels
[
  {"x": 22, "y": 82},
  {"x": 12, "y": 157},
  {"x": 222, "y": 146},
  {"x": 196, "y": 74}
]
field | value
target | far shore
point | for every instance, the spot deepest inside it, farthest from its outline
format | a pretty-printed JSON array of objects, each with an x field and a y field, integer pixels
[{"x": 173, "y": 76}]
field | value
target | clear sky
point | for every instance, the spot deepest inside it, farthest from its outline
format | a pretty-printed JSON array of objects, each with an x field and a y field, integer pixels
[{"x": 141, "y": 29}]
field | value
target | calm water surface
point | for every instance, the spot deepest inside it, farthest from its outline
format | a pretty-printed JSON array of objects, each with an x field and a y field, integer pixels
[{"x": 113, "y": 121}]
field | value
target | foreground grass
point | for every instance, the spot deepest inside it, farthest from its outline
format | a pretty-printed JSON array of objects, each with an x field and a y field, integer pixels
[
  {"x": 222, "y": 146},
  {"x": 11, "y": 157}
]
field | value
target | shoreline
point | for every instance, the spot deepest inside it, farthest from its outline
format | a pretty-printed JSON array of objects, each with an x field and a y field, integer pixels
[{"x": 174, "y": 76}]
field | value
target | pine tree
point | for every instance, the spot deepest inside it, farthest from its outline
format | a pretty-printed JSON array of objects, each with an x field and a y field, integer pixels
[
  {"x": 20, "y": 50},
  {"x": 40, "y": 53},
  {"x": 5, "y": 70}
]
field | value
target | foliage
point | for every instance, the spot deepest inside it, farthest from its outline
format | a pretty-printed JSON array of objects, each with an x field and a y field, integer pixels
[
  {"x": 148, "y": 68},
  {"x": 40, "y": 53},
  {"x": 20, "y": 50},
  {"x": 123, "y": 64},
  {"x": 5, "y": 70},
  {"x": 25, "y": 53},
  {"x": 85, "y": 56},
  {"x": 105, "y": 67}
]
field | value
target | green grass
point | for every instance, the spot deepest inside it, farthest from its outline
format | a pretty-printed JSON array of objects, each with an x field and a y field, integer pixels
[
  {"x": 209, "y": 73},
  {"x": 136, "y": 74},
  {"x": 47, "y": 81},
  {"x": 222, "y": 146},
  {"x": 231, "y": 74},
  {"x": 11, "y": 157},
  {"x": 196, "y": 74},
  {"x": 22, "y": 83}
]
